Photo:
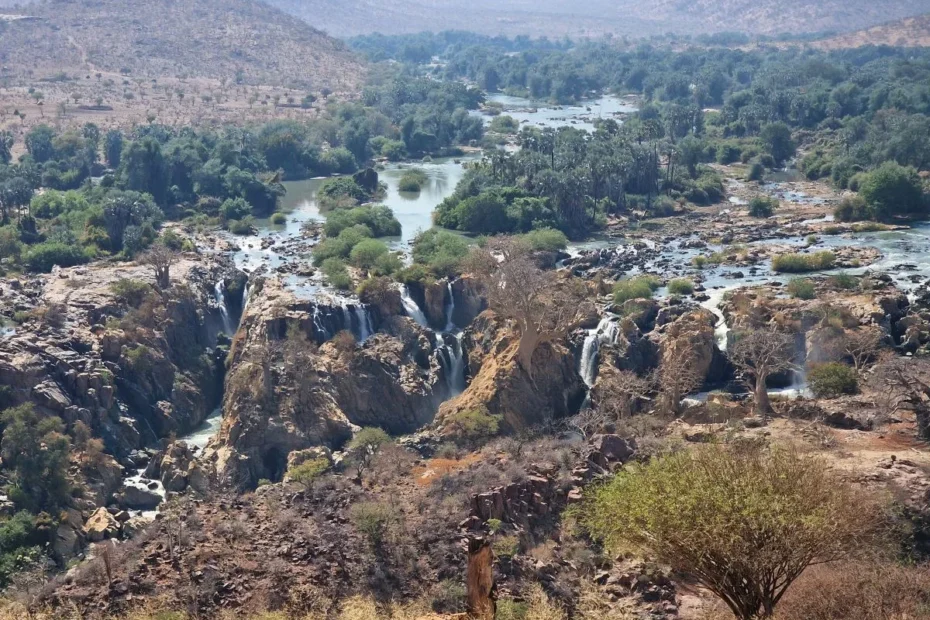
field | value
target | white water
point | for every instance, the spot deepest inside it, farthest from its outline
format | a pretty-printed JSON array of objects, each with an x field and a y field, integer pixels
[
  {"x": 364, "y": 323},
  {"x": 220, "y": 294},
  {"x": 454, "y": 357},
  {"x": 245, "y": 297},
  {"x": 450, "y": 309},
  {"x": 606, "y": 332},
  {"x": 411, "y": 307}
]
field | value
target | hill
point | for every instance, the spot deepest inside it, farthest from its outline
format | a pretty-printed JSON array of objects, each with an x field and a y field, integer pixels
[
  {"x": 908, "y": 32},
  {"x": 243, "y": 41},
  {"x": 596, "y": 17}
]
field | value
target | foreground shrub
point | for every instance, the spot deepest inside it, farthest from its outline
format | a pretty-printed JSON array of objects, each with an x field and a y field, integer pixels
[
  {"x": 801, "y": 263},
  {"x": 745, "y": 520},
  {"x": 641, "y": 287},
  {"x": 858, "y": 591},
  {"x": 832, "y": 379},
  {"x": 130, "y": 292}
]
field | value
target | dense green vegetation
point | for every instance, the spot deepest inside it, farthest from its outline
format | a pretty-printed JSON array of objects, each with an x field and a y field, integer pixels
[
  {"x": 851, "y": 110},
  {"x": 803, "y": 263}
]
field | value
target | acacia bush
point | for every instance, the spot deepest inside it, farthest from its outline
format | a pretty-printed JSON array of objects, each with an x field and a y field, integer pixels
[{"x": 745, "y": 520}]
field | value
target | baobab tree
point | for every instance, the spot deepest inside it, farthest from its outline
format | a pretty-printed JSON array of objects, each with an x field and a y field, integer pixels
[
  {"x": 759, "y": 354},
  {"x": 160, "y": 257},
  {"x": 542, "y": 305}
]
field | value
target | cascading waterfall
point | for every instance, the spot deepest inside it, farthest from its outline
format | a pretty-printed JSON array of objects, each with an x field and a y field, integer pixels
[
  {"x": 453, "y": 360},
  {"x": 364, "y": 323},
  {"x": 450, "y": 310},
  {"x": 411, "y": 307},
  {"x": 606, "y": 332},
  {"x": 245, "y": 297},
  {"x": 220, "y": 293}
]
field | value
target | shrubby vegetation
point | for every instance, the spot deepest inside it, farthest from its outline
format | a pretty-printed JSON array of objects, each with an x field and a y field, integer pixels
[
  {"x": 802, "y": 263},
  {"x": 641, "y": 287},
  {"x": 832, "y": 379},
  {"x": 744, "y": 520}
]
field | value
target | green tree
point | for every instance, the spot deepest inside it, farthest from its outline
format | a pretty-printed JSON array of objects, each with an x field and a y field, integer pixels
[
  {"x": 892, "y": 190},
  {"x": 744, "y": 520},
  {"x": 36, "y": 449},
  {"x": 776, "y": 137},
  {"x": 364, "y": 446},
  {"x": 40, "y": 143}
]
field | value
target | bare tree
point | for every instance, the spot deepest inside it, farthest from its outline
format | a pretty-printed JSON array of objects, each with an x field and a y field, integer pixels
[
  {"x": 543, "y": 306},
  {"x": 903, "y": 384},
  {"x": 677, "y": 375},
  {"x": 863, "y": 345},
  {"x": 617, "y": 392},
  {"x": 160, "y": 257},
  {"x": 759, "y": 354}
]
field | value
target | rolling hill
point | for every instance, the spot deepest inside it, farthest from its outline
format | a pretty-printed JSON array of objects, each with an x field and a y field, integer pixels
[
  {"x": 595, "y": 17},
  {"x": 245, "y": 41},
  {"x": 908, "y": 32}
]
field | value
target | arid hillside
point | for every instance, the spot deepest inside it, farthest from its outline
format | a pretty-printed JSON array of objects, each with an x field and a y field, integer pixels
[
  {"x": 241, "y": 41},
  {"x": 909, "y": 32},
  {"x": 624, "y": 17}
]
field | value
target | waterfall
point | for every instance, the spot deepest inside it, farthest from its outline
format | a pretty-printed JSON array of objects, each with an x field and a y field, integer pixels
[
  {"x": 220, "y": 294},
  {"x": 606, "y": 332},
  {"x": 450, "y": 309},
  {"x": 721, "y": 330},
  {"x": 245, "y": 297},
  {"x": 411, "y": 307},
  {"x": 364, "y": 323},
  {"x": 452, "y": 356},
  {"x": 319, "y": 325}
]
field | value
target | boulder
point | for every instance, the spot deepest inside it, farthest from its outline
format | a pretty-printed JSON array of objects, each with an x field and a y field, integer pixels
[
  {"x": 615, "y": 448},
  {"x": 67, "y": 542},
  {"x": 136, "y": 498},
  {"x": 174, "y": 467},
  {"x": 100, "y": 526}
]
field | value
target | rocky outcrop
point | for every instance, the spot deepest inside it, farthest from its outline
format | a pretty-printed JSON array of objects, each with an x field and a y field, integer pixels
[
  {"x": 285, "y": 394},
  {"x": 467, "y": 300},
  {"x": 97, "y": 362},
  {"x": 692, "y": 333},
  {"x": 502, "y": 387},
  {"x": 101, "y": 526}
]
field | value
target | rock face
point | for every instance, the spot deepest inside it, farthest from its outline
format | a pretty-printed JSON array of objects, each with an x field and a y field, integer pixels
[
  {"x": 502, "y": 387},
  {"x": 130, "y": 385},
  {"x": 284, "y": 393}
]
